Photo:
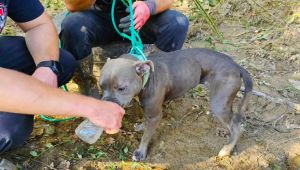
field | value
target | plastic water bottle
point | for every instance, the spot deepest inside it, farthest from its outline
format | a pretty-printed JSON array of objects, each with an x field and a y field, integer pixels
[
  {"x": 7, "y": 165},
  {"x": 88, "y": 131}
]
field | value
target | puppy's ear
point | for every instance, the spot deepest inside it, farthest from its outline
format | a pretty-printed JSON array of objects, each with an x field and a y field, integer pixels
[{"x": 143, "y": 67}]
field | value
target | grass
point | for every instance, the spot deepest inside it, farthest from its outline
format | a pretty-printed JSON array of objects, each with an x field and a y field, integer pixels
[{"x": 202, "y": 11}]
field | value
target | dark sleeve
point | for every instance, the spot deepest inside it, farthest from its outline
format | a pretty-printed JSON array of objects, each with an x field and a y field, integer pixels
[{"x": 25, "y": 10}]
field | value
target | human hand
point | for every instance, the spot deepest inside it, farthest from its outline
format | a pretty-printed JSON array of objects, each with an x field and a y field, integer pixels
[
  {"x": 46, "y": 75},
  {"x": 105, "y": 114},
  {"x": 141, "y": 15},
  {"x": 79, "y": 5}
]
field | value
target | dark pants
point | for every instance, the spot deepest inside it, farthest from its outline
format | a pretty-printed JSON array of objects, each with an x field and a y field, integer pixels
[
  {"x": 83, "y": 30},
  {"x": 16, "y": 128}
]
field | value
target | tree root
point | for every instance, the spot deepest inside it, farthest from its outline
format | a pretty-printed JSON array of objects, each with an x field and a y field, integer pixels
[{"x": 295, "y": 106}]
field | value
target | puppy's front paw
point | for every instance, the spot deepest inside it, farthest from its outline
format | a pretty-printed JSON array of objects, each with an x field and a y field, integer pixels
[
  {"x": 138, "y": 155},
  {"x": 139, "y": 127}
]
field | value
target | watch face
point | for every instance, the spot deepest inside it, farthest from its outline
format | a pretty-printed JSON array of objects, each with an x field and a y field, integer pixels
[{"x": 57, "y": 69}]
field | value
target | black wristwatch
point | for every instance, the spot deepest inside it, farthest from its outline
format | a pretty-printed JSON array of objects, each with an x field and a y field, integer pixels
[{"x": 55, "y": 66}]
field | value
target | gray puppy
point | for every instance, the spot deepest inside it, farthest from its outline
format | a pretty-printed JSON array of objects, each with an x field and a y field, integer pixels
[{"x": 175, "y": 73}]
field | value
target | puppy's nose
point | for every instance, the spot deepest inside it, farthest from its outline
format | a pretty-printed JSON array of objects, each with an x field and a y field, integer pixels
[{"x": 111, "y": 99}]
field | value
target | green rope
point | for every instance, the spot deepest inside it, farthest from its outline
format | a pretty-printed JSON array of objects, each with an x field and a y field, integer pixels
[
  {"x": 54, "y": 120},
  {"x": 137, "y": 47},
  {"x": 50, "y": 119},
  {"x": 64, "y": 87}
]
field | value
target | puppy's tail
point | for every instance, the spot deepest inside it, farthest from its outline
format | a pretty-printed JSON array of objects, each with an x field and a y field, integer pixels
[{"x": 245, "y": 75}]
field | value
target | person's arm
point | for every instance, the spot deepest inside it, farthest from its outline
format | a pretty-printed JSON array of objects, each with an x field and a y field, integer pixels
[
  {"x": 162, "y": 5},
  {"x": 79, "y": 5},
  {"x": 42, "y": 43},
  {"x": 24, "y": 94},
  {"x": 41, "y": 38}
]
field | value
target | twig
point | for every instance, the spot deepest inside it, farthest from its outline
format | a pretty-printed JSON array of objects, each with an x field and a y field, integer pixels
[
  {"x": 52, "y": 168},
  {"x": 194, "y": 110},
  {"x": 291, "y": 126},
  {"x": 288, "y": 140},
  {"x": 277, "y": 119},
  {"x": 186, "y": 115},
  {"x": 295, "y": 106},
  {"x": 43, "y": 163},
  {"x": 276, "y": 18},
  {"x": 262, "y": 123},
  {"x": 242, "y": 33},
  {"x": 209, "y": 20}
]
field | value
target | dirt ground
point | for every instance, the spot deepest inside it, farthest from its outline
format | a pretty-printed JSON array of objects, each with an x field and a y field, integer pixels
[{"x": 262, "y": 36}]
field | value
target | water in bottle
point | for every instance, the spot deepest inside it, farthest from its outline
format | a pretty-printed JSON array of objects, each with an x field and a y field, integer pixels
[{"x": 88, "y": 132}]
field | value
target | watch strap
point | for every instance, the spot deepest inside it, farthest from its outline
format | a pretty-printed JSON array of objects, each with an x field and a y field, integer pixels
[{"x": 53, "y": 65}]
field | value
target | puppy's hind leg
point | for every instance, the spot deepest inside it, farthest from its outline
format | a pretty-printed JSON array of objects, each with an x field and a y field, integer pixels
[
  {"x": 223, "y": 111},
  {"x": 221, "y": 105}
]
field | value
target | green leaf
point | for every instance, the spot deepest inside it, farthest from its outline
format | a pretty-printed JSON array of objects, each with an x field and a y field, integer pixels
[
  {"x": 121, "y": 157},
  {"x": 49, "y": 145},
  {"x": 49, "y": 130},
  {"x": 125, "y": 150},
  {"x": 91, "y": 148},
  {"x": 79, "y": 156},
  {"x": 100, "y": 154},
  {"x": 34, "y": 153},
  {"x": 212, "y": 3}
]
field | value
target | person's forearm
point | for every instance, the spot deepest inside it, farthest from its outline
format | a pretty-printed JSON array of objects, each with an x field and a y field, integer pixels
[
  {"x": 79, "y": 5},
  {"x": 162, "y": 5},
  {"x": 24, "y": 94},
  {"x": 41, "y": 39}
]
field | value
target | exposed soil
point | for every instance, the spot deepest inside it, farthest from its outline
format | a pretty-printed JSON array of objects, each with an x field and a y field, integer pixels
[{"x": 262, "y": 37}]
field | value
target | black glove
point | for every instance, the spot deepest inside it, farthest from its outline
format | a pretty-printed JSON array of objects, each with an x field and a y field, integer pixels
[{"x": 125, "y": 22}]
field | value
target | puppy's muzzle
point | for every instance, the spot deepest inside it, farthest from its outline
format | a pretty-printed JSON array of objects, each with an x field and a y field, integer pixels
[{"x": 112, "y": 99}]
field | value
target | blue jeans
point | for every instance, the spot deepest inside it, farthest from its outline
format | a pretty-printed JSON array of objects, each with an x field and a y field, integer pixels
[
  {"x": 83, "y": 30},
  {"x": 16, "y": 128}
]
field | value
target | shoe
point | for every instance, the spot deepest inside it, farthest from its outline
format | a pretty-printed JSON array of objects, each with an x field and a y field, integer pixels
[
  {"x": 85, "y": 78},
  {"x": 7, "y": 165}
]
